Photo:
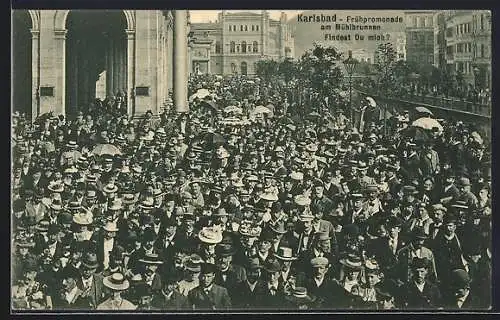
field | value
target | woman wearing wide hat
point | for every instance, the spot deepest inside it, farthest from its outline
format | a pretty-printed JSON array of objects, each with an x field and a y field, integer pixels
[{"x": 117, "y": 284}]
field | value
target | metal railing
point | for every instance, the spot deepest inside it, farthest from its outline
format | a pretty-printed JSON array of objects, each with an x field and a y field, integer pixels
[{"x": 439, "y": 102}]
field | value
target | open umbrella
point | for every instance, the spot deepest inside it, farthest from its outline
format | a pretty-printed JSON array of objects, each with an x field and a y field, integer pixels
[
  {"x": 209, "y": 104},
  {"x": 424, "y": 110},
  {"x": 213, "y": 139},
  {"x": 427, "y": 123},
  {"x": 201, "y": 93},
  {"x": 417, "y": 134},
  {"x": 261, "y": 110},
  {"x": 106, "y": 148},
  {"x": 233, "y": 109}
]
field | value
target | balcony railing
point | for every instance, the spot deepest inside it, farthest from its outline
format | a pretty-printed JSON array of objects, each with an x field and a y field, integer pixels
[{"x": 440, "y": 102}]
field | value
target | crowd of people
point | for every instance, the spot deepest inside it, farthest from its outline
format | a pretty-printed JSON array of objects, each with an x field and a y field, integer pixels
[{"x": 240, "y": 205}]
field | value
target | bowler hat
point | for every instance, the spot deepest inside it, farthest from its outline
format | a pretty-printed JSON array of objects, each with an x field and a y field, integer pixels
[
  {"x": 208, "y": 268},
  {"x": 272, "y": 265},
  {"x": 90, "y": 260},
  {"x": 460, "y": 278},
  {"x": 418, "y": 263},
  {"x": 285, "y": 254},
  {"x": 224, "y": 250}
]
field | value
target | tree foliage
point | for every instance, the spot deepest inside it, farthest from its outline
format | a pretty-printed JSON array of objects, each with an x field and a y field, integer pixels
[
  {"x": 266, "y": 69},
  {"x": 385, "y": 65},
  {"x": 321, "y": 69}
]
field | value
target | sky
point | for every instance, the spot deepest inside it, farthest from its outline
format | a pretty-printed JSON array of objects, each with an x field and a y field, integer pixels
[{"x": 198, "y": 16}]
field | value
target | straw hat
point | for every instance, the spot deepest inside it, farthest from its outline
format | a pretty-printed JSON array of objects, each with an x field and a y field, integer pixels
[
  {"x": 352, "y": 262},
  {"x": 110, "y": 188},
  {"x": 83, "y": 218},
  {"x": 285, "y": 254},
  {"x": 110, "y": 226},
  {"x": 116, "y": 282},
  {"x": 210, "y": 235}
]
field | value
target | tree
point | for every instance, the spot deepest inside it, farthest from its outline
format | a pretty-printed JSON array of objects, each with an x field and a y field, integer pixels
[
  {"x": 287, "y": 69},
  {"x": 266, "y": 69},
  {"x": 385, "y": 64},
  {"x": 320, "y": 69}
]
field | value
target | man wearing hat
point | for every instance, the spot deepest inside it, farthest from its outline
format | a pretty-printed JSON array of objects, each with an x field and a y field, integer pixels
[
  {"x": 328, "y": 292},
  {"x": 459, "y": 295},
  {"x": 248, "y": 293},
  {"x": 420, "y": 293},
  {"x": 191, "y": 279},
  {"x": 105, "y": 241},
  {"x": 416, "y": 248},
  {"x": 90, "y": 282},
  {"x": 228, "y": 274},
  {"x": 429, "y": 161},
  {"x": 465, "y": 195},
  {"x": 35, "y": 207},
  {"x": 300, "y": 299},
  {"x": 170, "y": 298},
  {"x": 150, "y": 271},
  {"x": 272, "y": 297},
  {"x": 209, "y": 295},
  {"x": 449, "y": 191},
  {"x": 448, "y": 252},
  {"x": 117, "y": 284}
]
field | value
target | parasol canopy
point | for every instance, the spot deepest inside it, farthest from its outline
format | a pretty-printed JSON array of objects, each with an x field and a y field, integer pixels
[
  {"x": 427, "y": 123},
  {"x": 424, "y": 110},
  {"x": 106, "y": 148},
  {"x": 201, "y": 93},
  {"x": 233, "y": 109},
  {"x": 261, "y": 110}
]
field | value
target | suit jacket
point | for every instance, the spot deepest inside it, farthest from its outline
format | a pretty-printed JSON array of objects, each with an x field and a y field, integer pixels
[
  {"x": 412, "y": 298},
  {"x": 379, "y": 249},
  {"x": 96, "y": 293},
  {"x": 429, "y": 163},
  {"x": 244, "y": 298},
  {"x": 471, "y": 303},
  {"x": 177, "y": 301},
  {"x": 267, "y": 300},
  {"x": 405, "y": 257},
  {"x": 296, "y": 241},
  {"x": 216, "y": 299},
  {"x": 329, "y": 294},
  {"x": 39, "y": 213},
  {"x": 234, "y": 275}
]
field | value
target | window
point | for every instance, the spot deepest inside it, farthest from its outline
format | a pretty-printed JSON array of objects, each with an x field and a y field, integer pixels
[
  {"x": 238, "y": 48},
  {"x": 414, "y": 22},
  {"x": 422, "y": 22},
  {"x": 218, "y": 47},
  {"x": 457, "y": 33},
  {"x": 253, "y": 27},
  {"x": 234, "y": 28},
  {"x": 233, "y": 68},
  {"x": 241, "y": 27},
  {"x": 230, "y": 28},
  {"x": 449, "y": 32},
  {"x": 255, "y": 46},
  {"x": 482, "y": 50},
  {"x": 244, "y": 47},
  {"x": 232, "y": 47},
  {"x": 257, "y": 28},
  {"x": 246, "y": 28},
  {"x": 482, "y": 22}
]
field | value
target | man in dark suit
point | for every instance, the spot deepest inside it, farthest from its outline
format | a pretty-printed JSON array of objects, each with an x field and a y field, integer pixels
[
  {"x": 170, "y": 298},
  {"x": 90, "y": 282},
  {"x": 272, "y": 297},
  {"x": 384, "y": 249},
  {"x": 247, "y": 294},
  {"x": 228, "y": 274},
  {"x": 328, "y": 292},
  {"x": 420, "y": 293},
  {"x": 208, "y": 295},
  {"x": 460, "y": 295}
]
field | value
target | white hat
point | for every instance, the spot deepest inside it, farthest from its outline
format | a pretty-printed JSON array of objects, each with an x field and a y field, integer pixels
[
  {"x": 110, "y": 226},
  {"x": 116, "y": 281},
  {"x": 210, "y": 235}
]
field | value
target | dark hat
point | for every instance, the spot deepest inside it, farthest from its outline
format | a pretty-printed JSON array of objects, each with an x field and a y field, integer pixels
[
  {"x": 449, "y": 218},
  {"x": 410, "y": 189},
  {"x": 463, "y": 182},
  {"x": 351, "y": 229},
  {"x": 224, "y": 250},
  {"x": 460, "y": 278},
  {"x": 418, "y": 263},
  {"x": 419, "y": 234},
  {"x": 300, "y": 296},
  {"x": 272, "y": 265},
  {"x": 89, "y": 260},
  {"x": 148, "y": 235},
  {"x": 208, "y": 268}
]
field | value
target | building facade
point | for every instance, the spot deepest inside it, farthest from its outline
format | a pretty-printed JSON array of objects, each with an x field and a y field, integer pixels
[
  {"x": 419, "y": 37},
  {"x": 236, "y": 41},
  {"x": 64, "y": 59}
]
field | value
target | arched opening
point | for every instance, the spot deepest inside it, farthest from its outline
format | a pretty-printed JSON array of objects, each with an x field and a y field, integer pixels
[
  {"x": 244, "y": 68},
  {"x": 96, "y": 57},
  {"x": 244, "y": 47},
  {"x": 21, "y": 62}
]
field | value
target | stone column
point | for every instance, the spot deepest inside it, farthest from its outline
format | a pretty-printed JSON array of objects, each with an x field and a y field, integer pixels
[
  {"x": 76, "y": 75},
  {"x": 130, "y": 71},
  {"x": 35, "y": 75},
  {"x": 60, "y": 65},
  {"x": 180, "y": 61}
]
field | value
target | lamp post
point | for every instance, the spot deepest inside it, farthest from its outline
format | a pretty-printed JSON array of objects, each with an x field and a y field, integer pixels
[{"x": 350, "y": 65}]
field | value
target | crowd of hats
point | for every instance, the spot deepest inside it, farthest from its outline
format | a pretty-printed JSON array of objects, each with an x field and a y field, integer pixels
[{"x": 255, "y": 179}]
